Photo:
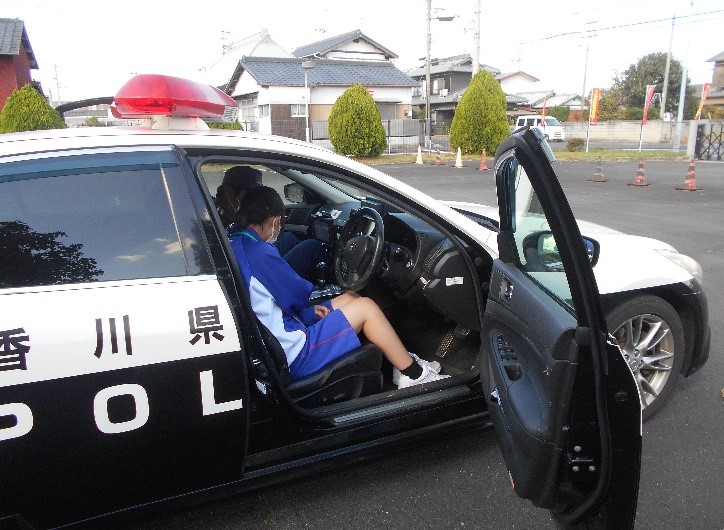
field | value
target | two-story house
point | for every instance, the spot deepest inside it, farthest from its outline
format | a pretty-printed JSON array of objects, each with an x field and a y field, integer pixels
[
  {"x": 449, "y": 77},
  {"x": 277, "y": 94},
  {"x": 16, "y": 58},
  {"x": 716, "y": 92}
]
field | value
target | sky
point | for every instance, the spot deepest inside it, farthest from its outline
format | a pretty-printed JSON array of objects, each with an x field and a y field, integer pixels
[{"x": 89, "y": 49}]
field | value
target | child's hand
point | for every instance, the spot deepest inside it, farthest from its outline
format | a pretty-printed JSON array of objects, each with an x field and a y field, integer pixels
[{"x": 321, "y": 311}]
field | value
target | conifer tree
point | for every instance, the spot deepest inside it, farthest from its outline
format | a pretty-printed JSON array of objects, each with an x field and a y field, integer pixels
[
  {"x": 27, "y": 110},
  {"x": 479, "y": 121},
  {"x": 355, "y": 124}
]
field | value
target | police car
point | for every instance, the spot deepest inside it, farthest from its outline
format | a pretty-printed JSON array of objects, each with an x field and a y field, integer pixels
[{"x": 133, "y": 372}]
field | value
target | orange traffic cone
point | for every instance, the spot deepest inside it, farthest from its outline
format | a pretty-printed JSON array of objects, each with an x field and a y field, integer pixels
[
  {"x": 459, "y": 160},
  {"x": 690, "y": 182},
  {"x": 640, "y": 178},
  {"x": 598, "y": 176},
  {"x": 483, "y": 162},
  {"x": 438, "y": 160}
]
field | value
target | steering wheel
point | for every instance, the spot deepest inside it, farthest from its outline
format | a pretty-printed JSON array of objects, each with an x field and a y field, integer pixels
[{"x": 359, "y": 254}]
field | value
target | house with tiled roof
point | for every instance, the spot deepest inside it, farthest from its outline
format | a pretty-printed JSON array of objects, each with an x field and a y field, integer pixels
[
  {"x": 716, "y": 92},
  {"x": 16, "y": 57},
  {"x": 275, "y": 93},
  {"x": 449, "y": 77},
  {"x": 354, "y": 45}
]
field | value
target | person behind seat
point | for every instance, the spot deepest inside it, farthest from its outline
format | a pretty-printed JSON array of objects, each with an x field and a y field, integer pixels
[
  {"x": 311, "y": 337},
  {"x": 304, "y": 256}
]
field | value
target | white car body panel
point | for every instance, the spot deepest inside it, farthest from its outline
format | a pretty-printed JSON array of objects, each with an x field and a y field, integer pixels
[{"x": 642, "y": 266}]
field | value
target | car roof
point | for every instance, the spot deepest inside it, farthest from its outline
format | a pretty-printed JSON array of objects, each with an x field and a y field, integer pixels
[{"x": 42, "y": 143}]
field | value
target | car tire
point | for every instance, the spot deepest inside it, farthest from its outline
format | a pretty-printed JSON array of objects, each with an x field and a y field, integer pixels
[{"x": 655, "y": 361}]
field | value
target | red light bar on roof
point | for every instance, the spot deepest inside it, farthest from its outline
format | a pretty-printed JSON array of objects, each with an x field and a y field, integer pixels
[{"x": 149, "y": 95}]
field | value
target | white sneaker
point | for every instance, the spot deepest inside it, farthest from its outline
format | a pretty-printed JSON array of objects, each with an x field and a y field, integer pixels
[
  {"x": 434, "y": 366},
  {"x": 427, "y": 376}
]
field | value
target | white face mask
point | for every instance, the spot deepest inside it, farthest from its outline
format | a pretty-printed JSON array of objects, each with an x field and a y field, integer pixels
[{"x": 273, "y": 238}]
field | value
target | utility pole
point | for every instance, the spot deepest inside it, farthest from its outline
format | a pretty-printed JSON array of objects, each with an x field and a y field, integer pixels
[
  {"x": 664, "y": 90},
  {"x": 585, "y": 74},
  {"x": 476, "y": 39},
  {"x": 428, "y": 124},
  {"x": 682, "y": 90}
]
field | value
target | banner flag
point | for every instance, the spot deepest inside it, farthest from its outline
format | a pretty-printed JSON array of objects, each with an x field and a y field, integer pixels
[
  {"x": 595, "y": 105},
  {"x": 704, "y": 95},
  {"x": 543, "y": 113},
  {"x": 649, "y": 96}
]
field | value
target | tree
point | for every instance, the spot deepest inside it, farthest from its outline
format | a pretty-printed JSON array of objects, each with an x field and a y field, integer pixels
[
  {"x": 479, "y": 121},
  {"x": 559, "y": 113},
  {"x": 355, "y": 124},
  {"x": 30, "y": 258},
  {"x": 630, "y": 86},
  {"x": 27, "y": 110}
]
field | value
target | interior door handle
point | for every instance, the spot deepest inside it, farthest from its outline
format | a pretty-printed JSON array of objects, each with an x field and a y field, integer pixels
[{"x": 506, "y": 289}]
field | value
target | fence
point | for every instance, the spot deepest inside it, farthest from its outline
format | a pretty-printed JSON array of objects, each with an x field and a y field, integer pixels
[
  {"x": 710, "y": 141},
  {"x": 656, "y": 134},
  {"x": 405, "y": 136}
]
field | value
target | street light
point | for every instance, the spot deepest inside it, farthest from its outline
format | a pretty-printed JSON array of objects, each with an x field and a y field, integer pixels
[
  {"x": 428, "y": 117},
  {"x": 307, "y": 65}
]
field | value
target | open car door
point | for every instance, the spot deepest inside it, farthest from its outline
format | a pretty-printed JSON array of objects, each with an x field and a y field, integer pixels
[{"x": 563, "y": 401}]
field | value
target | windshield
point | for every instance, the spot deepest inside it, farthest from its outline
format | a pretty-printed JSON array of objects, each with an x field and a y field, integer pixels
[{"x": 552, "y": 121}]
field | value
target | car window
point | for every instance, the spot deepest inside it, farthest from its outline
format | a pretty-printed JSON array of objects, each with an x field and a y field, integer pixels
[
  {"x": 537, "y": 254},
  {"x": 90, "y": 218},
  {"x": 550, "y": 120}
]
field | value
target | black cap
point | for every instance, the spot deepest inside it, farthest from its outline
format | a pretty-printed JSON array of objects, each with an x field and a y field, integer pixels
[{"x": 242, "y": 178}]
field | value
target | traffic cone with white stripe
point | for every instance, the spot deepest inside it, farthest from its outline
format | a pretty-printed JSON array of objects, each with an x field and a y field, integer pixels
[
  {"x": 598, "y": 176},
  {"x": 690, "y": 181},
  {"x": 459, "y": 160},
  {"x": 483, "y": 161},
  {"x": 640, "y": 178},
  {"x": 419, "y": 155}
]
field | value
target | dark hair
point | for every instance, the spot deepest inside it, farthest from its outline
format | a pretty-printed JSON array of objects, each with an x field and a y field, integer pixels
[{"x": 258, "y": 205}]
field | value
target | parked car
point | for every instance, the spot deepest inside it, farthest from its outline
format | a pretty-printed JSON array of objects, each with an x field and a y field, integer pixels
[
  {"x": 550, "y": 126},
  {"x": 134, "y": 373},
  {"x": 654, "y": 302}
]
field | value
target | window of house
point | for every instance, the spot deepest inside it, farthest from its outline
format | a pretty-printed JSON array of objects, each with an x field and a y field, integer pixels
[
  {"x": 299, "y": 110},
  {"x": 264, "y": 110}
]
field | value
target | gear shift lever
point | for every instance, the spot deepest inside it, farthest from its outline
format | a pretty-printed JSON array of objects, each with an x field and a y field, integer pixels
[{"x": 320, "y": 273}]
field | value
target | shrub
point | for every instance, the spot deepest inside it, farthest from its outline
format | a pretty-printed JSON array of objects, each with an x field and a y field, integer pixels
[
  {"x": 560, "y": 113},
  {"x": 355, "y": 124},
  {"x": 575, "y": 144},
  {"x": 27, "y": 110},
  {"x": 479, "y": 121},
  {"x": 233, "y": 126}
]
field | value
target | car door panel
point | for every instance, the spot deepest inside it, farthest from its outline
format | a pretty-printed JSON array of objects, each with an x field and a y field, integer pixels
[
  {"x": 531, "y": 373},
  {"x": 564, "y": 404}
]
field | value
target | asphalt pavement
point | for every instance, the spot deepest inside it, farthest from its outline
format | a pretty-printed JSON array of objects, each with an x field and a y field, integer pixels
[{"x": 461, "y": 482}]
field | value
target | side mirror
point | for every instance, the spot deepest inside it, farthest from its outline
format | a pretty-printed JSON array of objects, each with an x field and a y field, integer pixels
[{"x": 541, "y": 252}]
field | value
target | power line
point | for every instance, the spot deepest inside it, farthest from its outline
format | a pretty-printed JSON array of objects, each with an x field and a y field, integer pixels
[{"x": 632, "y": 24}]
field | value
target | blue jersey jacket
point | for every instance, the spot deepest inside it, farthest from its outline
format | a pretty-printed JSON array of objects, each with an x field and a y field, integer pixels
[{"x": 279, "y": 296}]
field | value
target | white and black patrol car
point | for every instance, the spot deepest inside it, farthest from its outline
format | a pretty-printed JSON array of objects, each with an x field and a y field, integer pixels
[{"x": 133, "y": 372}]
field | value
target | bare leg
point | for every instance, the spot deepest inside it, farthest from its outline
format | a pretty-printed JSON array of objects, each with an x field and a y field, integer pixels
[
  {"x": 365, "y": 315},
  {"x": 342, "y": 299}
]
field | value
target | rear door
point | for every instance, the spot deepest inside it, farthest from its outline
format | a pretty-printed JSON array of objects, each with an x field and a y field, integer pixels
[
  {"x": 564, "y": 403},
  {"x": 122, "y": 379}
]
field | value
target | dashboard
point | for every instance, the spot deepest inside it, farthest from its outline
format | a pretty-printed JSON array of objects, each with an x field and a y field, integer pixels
[{"x": 419, "y": 262}]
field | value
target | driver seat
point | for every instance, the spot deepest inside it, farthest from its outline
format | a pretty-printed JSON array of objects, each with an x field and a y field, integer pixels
[{"x": 356, "y": 374}]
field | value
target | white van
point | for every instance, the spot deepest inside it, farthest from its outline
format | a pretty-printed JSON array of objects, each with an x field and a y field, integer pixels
[{"x": 552, "y": 130}]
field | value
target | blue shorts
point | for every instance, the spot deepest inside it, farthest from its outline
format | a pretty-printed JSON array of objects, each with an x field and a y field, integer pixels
[{"x": 327, "y": 340}]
